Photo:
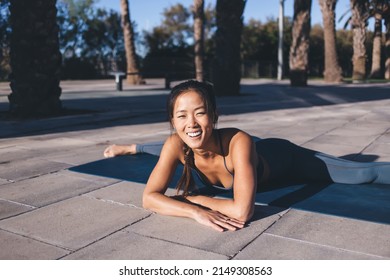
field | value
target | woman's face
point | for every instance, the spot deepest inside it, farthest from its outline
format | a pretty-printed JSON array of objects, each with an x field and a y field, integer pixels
[{"x": 191, "y": 121}]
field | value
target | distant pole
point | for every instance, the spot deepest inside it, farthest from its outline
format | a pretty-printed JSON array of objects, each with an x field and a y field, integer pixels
[{"x": 280, "y": 46}]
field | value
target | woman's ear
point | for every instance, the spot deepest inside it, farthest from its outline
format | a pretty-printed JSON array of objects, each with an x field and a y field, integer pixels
[
  {"x": 215, "y": 118},
  {"x": 173, "y": 126}
]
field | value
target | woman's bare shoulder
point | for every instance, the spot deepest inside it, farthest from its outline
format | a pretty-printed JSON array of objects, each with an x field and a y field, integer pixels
[
  {"x": 174, "y": 146},
  {"x": 233, "y": 134}
]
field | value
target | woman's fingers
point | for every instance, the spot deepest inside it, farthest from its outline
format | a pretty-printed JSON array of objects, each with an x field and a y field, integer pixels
[{"x": 228, "y": 223}]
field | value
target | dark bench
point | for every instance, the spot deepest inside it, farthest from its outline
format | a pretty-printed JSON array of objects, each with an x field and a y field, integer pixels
[{"x": 169, "y": 77}]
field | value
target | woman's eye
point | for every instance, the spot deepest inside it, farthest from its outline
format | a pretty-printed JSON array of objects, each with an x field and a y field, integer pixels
[
  {"x": 200, "y": 113},
  {"x": 181, "y": 116}
]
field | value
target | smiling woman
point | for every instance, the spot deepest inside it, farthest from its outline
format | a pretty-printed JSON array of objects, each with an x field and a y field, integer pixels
[{"x": 230, "y": 158}]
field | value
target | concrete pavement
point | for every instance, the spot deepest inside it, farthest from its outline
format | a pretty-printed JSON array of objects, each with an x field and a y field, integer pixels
[{"x": 50, "y": 212}]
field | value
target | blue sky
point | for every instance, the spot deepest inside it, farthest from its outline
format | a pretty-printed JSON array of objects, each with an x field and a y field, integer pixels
[{"x": 147, "y": 13}]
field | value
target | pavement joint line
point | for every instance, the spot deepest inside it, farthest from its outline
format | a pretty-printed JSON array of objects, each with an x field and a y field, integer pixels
[
  {"x": 176, "y": 243},
  {"x": 257, "y": 236},
  {"x": 38, "y": 240},
  {"x": 374, "y": 140},
  {"x": 62, "y": 200},
  {"x": 36, "y": 175},
  {"x": 110, "y": 201},
  {"x": 262, "y": 232},
  {"x": 19, "y": 203},
  {"x": 324, "y": 245},
  {"x": 103, "y": 237},
  {"x": 343, "y": 125}
]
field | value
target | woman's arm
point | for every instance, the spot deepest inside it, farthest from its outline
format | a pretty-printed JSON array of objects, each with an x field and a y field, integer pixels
[
  {"x": 244, "y": 160},
  {"x": 154, "y": 198}
]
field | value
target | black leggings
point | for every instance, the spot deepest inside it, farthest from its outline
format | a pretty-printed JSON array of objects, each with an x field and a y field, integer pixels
[{"x": 289, "y": 163}]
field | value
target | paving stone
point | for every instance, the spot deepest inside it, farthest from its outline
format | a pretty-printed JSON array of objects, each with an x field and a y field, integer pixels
[
  {"x": 59, "y": 144},
  {"x": 78, "y": 155},
  {"x": 11, "y": 142},
  {"x": 357, "y": 130},
  {"x": 129, "y": 193},
  {"x": 15, "y": 153},
  {"x": 271, "y": 247},
  {"x": 49, "y": 188},
  {"x": 384, "y": 138},
  {"x": 4, "y": 182},
  {"x": 353, "y": 235},
  {"x": 189, "y": 233},
  {"x": 22, "y": 169},
  {"x": 9, "y": 208},
  {"x": 378, "y": 149},
  {"x": 42, "y": 143},
  {"x": 74, "y": 223},
  {"x": 126, "y": 245},
  {"x": 332, "y": 149},
  {"x": 359, "y": 143},
  {"x": 16, "y": 247}
]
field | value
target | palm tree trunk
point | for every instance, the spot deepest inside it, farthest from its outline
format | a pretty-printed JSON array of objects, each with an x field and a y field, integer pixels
[
  {"x": 299, "y": 49},
  {"x": 358, "y": 23},
  {"x": 199, "y": 38},
  {"x": 227, "y": 64},
  {"x": 376, "y": 71},
  {"x": 133, "y": 73},
  {"x": 387, "y": 47},
  {"x": 35, "y": 59},
  {"x": 332, "y": 73}
]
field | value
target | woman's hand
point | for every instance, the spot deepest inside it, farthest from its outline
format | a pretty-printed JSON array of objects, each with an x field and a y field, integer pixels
[
  {"x": 119, "y": 150},
  {"x": 217, "y": 220},
  {"x": 209, "y": 217}
]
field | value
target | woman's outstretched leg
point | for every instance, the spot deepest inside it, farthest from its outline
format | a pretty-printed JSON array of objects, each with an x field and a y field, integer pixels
[
  {"x": 153, "y": 148},
  {"x": 352, "y": 172},
  {"x": 290, "y": 163}
]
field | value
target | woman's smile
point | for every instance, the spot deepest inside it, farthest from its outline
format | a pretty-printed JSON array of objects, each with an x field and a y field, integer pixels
[{"x": 194, "y": 134}]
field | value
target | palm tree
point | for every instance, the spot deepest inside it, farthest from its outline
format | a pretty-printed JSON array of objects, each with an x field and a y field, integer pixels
[
  {"x": 133, "y": 73},
  {"x": 35, "y": 58},
  {"x": 299, "y": 49},
  {"x": 358, "y": 21},
  {"x": 377, "y": 9},
  {"x": 198, "y": 11},
  {"x": 332, "y": 73},
  {"x": 386, "y": 17},
  {"x": 376, "y": 71},
  {"x": 227, "y": 64}
]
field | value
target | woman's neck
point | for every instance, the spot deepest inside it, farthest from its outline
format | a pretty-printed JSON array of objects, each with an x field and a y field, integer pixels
[{"x": 212, "y": 149}]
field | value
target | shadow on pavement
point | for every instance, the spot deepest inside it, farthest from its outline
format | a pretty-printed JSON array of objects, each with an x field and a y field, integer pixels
[{"x": 368, "y": 202}]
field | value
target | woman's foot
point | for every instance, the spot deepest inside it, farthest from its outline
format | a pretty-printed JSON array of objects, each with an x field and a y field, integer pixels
[{"x": 119, "y": 150}]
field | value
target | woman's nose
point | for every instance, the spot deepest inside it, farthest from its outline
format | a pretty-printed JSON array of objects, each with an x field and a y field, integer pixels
[{"x": 191, "y": 121}]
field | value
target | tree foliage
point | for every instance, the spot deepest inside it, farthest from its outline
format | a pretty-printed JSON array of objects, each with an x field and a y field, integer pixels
[
  {"x": 91, "y": 41},
  {"x": 260, "y": 41},
  {"x": 5, "y": 32}
]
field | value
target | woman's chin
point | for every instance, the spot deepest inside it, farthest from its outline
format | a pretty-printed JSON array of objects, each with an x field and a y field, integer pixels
[{"x": 194, "y": 143}]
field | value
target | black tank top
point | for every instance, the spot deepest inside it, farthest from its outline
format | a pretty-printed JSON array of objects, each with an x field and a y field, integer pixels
[{"x": 204, "y": 179}]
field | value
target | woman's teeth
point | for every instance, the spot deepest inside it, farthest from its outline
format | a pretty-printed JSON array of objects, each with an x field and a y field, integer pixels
[{"x": 194, "y": 134}]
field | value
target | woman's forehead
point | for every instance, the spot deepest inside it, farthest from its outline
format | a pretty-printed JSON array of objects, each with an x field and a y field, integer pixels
[{"x": 188, "y": 98}]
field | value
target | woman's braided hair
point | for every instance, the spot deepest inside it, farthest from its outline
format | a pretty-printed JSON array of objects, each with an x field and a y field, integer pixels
[{"x": 206, "y": 92}]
